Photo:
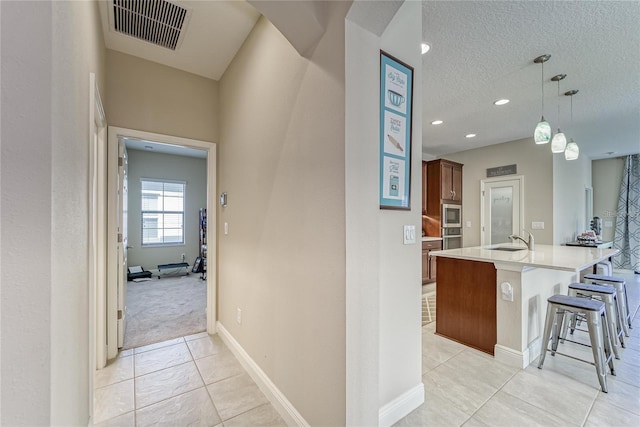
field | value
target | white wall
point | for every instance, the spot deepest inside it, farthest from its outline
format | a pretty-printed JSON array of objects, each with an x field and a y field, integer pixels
[
  {"x": 45, "y": 153},
  {"x": 606, "y": 177},
  {"x": 281, "y": 160},
  {"x": 147, "y": 96},
  {"x": 570, "y": 178},
  {"x": 383, "y": 275},
  {"x": 143, "y": 164},
  {"x": 401, "y": 265},
  {"x": 534, "y": 162}
]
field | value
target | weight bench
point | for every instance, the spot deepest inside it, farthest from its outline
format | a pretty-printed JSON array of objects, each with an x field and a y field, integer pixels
[{"x": 178, "y": 269}]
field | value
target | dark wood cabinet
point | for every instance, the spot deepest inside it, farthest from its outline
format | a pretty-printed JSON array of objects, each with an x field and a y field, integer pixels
[
  {"x": 442, "y": 184},
  {"x": 428, "y": 262}
]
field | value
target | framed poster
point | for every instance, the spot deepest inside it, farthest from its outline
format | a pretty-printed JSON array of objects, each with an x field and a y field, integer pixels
[{"x": 396, "y": 106}]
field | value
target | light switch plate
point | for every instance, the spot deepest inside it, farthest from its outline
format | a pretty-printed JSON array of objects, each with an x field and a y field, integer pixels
[
  {"x": 468, "y": 224},
  {"x": 608, "y": 224},
  {"x": 409, "y": 234},
  {"x": 537, "y": 225}
]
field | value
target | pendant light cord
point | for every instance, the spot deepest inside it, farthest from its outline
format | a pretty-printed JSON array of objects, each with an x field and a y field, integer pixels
[{"x": 542, "y": 88}]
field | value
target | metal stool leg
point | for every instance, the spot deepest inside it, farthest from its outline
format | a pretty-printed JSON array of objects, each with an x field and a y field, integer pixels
[
  {"x": 595, "y": 326},
  {"x": 546, "y": 335}
]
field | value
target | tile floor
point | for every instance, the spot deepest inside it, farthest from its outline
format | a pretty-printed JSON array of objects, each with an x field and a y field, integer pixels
[
  {"x": 193, "y": 380},
  {"x": 467, "y": 387},
  {"x": 196, "y": 380}
]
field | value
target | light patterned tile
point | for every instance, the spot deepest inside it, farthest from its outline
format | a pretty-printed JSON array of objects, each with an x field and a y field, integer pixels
[
  {"x": 125, "y": 353},
  {"x": 264, "y": 415},
  {"x": 622, "y": 394},
  {"x": 626, "y": 372},
  {"x": 506, "y": 410},
  {"x": 112, "y": 401},
  {"x": 481, "y": 367},
  {"x": 548, "y": 391},
  {"x": 218, "y": 367},
  {"x": 170, "y": 382},
  {"x": 435, "y": 411},
  {"x": 474, "y": 422},
  {"x": 119, "y": 369},
  {"x": 161, "y": 358},
  {"x": 157, "y": 345},
  {"x": 207, "y": 346},
  {"x": 604, "y": 414},
  {"x": 193, "y": 408},
  {"x": 126, "y": 420},
  {"x": 236, "y": 395},
  {"x": 197, "y": 336}
]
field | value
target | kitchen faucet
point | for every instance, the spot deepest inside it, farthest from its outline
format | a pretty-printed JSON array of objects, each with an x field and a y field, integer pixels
[{"x": 529, "y": 243}]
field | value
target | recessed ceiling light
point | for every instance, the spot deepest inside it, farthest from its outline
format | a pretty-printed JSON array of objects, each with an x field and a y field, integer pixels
[
  {"x": 501, "y": 102},
  {"x": 148, "y": 147},
  {"x": 610, "y": 152},
  {"x": 425, "y": 48},
  {"x": 437, "y": 122},
  {"x": 470, "y": 135}
]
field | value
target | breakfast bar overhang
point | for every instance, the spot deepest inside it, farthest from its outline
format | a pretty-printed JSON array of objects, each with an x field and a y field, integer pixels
[{"x": 494, "y": 298}]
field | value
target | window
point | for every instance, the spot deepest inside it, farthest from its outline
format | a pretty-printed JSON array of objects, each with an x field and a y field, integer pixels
[{"x": 162, "y": 212}]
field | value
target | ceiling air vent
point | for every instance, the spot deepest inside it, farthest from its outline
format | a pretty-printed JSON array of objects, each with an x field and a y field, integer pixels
[{"x": 155, "y": 21}]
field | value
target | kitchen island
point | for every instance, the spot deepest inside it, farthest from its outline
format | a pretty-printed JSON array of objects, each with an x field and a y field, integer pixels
[{"x": 495, "y": 298}]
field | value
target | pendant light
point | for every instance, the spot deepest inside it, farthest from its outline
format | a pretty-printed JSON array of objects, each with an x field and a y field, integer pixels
[
  {"x": 572, "y": 151},
  {"x": 559, "y": 141},
  {"x": 542, "y": 133}
]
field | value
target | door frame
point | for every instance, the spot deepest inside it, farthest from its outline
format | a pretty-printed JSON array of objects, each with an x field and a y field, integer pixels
[
  {"x": 114, "y": 134},
  {"x": 483, "y": 183},
  {"x": 97, "y": 234}
]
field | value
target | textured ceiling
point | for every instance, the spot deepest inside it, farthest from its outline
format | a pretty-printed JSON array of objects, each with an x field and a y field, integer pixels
[{"x": 482, "y": 51}]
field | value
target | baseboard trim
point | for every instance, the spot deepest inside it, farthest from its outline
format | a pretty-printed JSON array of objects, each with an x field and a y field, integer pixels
[
  {"x": 279, "y": 401},
  {"x": 511, "y": 357},
  {"x": 401, "y": 406}
]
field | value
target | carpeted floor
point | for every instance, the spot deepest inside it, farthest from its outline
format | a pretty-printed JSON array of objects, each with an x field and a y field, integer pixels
[{"x": 162, "y": 309}]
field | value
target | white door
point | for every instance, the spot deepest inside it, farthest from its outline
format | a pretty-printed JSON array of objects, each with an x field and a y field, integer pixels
[
  {"x": 502, "y": 210},
  {"x": 122, "y": 237}
]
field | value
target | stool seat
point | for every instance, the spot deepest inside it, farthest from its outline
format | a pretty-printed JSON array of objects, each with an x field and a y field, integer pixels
[
  {"x": 612, "y": 279},
  {"x": 579, "y": 303},
  {"x": 592, "y": 288}
]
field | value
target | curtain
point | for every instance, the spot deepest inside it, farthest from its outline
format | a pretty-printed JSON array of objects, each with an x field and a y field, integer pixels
[{"x": 627, "y": 233}]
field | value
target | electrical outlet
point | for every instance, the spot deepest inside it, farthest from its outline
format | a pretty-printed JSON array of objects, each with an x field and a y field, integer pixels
[
  {"x": 239, "y": 316},
  {"x": 608, "y": 224},
  {"x": 537, "y": 225},
  {"x": 226, "y": 228},
  {"x": 183, "y": 256}
]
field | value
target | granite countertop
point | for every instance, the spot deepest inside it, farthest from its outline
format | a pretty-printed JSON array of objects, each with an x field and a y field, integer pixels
[
  {"x": 430, "y": 239},
  {"x": 567, "y": 258}
]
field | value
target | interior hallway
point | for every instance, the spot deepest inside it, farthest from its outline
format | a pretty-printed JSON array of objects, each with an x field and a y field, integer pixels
[{"x": 196, "y": 380}]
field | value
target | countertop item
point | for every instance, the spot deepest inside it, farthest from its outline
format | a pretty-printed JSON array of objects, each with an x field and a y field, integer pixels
[
  {"x": 554, "y": 257},
  {"x": 430, "y": 239},
  {"x": 595, "y": 244}
]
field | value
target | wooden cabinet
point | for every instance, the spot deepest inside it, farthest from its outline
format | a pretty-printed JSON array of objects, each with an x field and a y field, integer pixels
[
  {"x": 429, "y": 262},
  {"x": 424, "y": 188},
  {"x": 442, "y": 184}
]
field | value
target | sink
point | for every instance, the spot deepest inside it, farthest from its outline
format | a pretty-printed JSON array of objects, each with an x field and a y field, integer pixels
[{"x": 507, "y": 249}]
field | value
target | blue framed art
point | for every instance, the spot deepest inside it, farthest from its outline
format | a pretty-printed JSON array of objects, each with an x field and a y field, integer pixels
[{"x": 396, "y": 106}]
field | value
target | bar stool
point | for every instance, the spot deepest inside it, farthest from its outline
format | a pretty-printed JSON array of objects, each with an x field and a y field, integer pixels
[
  {"x": 621, "y": 287},
  {"x": 596, "y": 319},
  {"x": 608, "y": 296}
]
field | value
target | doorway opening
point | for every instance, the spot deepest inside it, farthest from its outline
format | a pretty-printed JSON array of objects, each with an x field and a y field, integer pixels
[{"x": 158, "y": 237}]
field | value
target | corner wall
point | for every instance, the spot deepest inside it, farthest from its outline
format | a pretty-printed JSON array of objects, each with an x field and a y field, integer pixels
[
  {"x": 143, "y": 164},
  {"x": 606, "y": 177},
  {"x": 534, "y": 162},
  {"x": 48, "y": 50},
  {"x": 570, "y": 179},
  {"x": 281, "y": 161},
  {"x": 147, "y": 96}
]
